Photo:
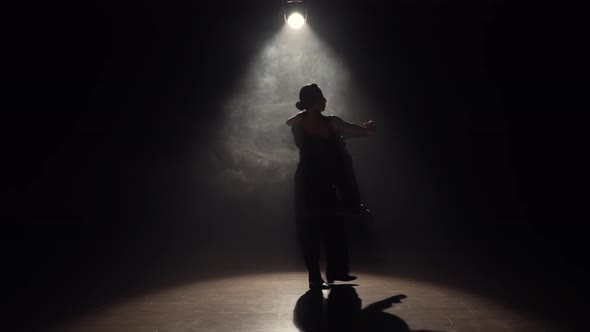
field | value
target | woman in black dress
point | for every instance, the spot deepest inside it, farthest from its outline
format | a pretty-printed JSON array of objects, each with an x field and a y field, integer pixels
[{"x": 326, "y": 191}]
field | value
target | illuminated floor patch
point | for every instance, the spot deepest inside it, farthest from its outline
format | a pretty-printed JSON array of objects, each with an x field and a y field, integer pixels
[{"x": 266, "y": 302}]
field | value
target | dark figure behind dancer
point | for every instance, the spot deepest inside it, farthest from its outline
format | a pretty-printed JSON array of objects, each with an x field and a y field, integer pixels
[{"x": 326, "y": 191}]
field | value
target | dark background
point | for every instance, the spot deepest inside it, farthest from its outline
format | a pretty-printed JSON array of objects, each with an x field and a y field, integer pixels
[{"x": 109, "y": 93}]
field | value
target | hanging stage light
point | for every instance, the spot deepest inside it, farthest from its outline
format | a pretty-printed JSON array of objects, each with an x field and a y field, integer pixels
[{"x": 295, "y": 13}]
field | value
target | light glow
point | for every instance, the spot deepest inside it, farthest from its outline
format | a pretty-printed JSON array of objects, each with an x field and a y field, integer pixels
[{"x": 295, "y": 20}]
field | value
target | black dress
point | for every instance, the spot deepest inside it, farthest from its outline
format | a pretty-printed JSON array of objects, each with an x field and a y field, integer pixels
[{"x": 324, "y": 186}]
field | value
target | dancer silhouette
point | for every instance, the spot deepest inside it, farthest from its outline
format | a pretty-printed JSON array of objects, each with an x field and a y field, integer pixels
[{"x": 326, "y": 190}]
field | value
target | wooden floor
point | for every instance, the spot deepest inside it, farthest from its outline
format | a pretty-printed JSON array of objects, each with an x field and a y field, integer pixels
[{"x": 278, "y": 301}]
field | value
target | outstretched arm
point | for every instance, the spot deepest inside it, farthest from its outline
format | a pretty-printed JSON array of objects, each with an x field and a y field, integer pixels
[{"x": 352, "y": 130}]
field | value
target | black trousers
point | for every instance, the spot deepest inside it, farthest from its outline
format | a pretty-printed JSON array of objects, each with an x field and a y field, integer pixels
[{"x": 320, "y": 190}]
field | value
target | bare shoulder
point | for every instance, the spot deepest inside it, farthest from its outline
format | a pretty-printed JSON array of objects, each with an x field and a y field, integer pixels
[
  {"x": 334, "y": 119},
  {"x": 295, "y": 119}
]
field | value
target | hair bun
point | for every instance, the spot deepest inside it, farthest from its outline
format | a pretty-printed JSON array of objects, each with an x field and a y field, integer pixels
[{"x": 299, "y": 106}]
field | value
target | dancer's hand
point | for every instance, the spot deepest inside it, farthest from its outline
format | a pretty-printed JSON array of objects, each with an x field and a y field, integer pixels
[{"x": 371, "y": 126}]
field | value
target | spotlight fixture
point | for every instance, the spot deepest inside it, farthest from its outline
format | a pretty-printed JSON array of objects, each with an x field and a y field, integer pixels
[{"x": 295, "y": 13}]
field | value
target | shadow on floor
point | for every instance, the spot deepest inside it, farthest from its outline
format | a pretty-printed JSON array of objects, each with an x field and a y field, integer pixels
[{"x": 342, "y": 311}]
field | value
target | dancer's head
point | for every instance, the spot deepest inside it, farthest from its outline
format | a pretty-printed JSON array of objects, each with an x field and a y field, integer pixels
[{"x": 311, "y": 98}]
